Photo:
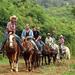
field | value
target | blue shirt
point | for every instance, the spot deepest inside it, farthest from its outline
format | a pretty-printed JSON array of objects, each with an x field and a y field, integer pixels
[{"x": 24, "y": 33}]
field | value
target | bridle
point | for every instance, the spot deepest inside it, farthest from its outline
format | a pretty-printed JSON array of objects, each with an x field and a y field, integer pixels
[{"x": 11, "y": 40}]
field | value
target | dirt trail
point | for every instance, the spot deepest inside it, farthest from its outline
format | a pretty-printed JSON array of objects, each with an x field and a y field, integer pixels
[
  {"x": 57, "y": 69},
  {"x": 5, "y": 70}
]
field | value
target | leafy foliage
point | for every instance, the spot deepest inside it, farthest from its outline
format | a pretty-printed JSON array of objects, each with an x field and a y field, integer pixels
[{"x": 56, "y": 20}]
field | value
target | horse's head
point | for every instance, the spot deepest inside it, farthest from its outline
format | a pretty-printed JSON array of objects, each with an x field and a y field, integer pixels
[
  {"x": 46, "y": 48},
  {"x": 27, "y": 44},
  {"x": 24, "y": 42},
  {"x": 11, "y": 40}
]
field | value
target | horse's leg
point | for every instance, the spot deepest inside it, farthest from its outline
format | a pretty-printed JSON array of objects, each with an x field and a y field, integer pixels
[
  {"x": 16, "y": 64},
  {"x": 11, "y": 65},
  {"x": 39, "y": 60},
  {"x": 49, "y": 60},
  {"x": 45, "y": 60},
  {"x": 30, "y": 63},
  {"x": 42, "y": 59},
  {"x": 16, "y": 68},
  {"x": 12, "y": 62},
  {"x": 54, "y": 58},
  {"x": 26, "y": 64}
]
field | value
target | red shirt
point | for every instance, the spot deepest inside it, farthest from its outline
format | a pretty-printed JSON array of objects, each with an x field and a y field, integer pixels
[{"x": 61, "y": 41}]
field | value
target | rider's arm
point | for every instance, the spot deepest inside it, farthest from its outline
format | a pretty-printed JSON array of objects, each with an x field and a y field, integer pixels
[{"x": 8, "y": 27}]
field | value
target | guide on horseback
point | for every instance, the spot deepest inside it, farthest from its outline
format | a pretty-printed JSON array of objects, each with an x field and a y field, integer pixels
[
  {"x": 38, "y": 38},
  {"x": 49, "y": 40},
  {"x": 11, "y": 29}
]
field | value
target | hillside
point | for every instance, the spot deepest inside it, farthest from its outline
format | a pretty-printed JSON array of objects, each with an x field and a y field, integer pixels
[{"x": 56, "y": 3}]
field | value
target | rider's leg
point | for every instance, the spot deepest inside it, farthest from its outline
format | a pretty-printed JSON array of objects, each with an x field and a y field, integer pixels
[
  {"x": 37, "y": 49},
  {"x": 39, "y": 45},
  {"x": 42, "y": 43},
  {"x": 34, "y": 44},
  {"x": 18, "y": 40},
  {"x": 61, "y": 47}
]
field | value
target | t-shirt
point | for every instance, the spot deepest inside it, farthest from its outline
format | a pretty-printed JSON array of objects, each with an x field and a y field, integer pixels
[
  {"x": 61, "y": 41},
  {"x": 36, "y": 34}
]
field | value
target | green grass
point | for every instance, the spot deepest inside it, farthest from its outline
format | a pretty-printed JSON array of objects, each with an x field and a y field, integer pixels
[
  {"x": 69, "y": 73},
  {"x": 3, "y": 60},
  {"x": 72, "y": 70}
]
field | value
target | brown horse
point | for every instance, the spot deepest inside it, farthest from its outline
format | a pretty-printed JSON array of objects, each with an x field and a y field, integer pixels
[
  {"x": 49, "y": 53},
  {"x": 12, "y": 52},
  {"x": 29, "y": 54}
]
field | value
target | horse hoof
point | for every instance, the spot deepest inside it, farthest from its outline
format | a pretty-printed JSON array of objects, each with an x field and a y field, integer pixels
[
  {"x": 16, "y": 70},
  {"x": 32, "y": 70},
  {"x": 26, "y": 70},
  {"x": 29, "y": 70},
  {"x": 11, "y": 70}
]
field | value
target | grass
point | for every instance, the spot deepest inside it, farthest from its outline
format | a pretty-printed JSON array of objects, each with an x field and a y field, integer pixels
[
  {"x": 3, "y": 60},
  {"x": 69, "y": 73}
]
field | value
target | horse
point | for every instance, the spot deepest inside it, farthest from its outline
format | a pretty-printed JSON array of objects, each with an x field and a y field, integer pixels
[
  {"x": 29, "y": 54},
  {"x": 50, "y": 53},
  {"x": 65, "y": 53},
  {"x": 12, "y": 52}
]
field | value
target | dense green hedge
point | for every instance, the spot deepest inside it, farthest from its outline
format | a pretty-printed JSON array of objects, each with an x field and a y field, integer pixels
[{"x": 56, "y": 20}]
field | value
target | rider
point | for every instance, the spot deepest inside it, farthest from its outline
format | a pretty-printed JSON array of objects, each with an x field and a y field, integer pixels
[
  {"x": 36, "y": 33},
  {"x": 27, "y": 32},
  {"x": 61, "y": 43},
  {"x": 11, "y": 29},
  {"x": 49, "y": 40},
  {"x": 38, "y": 38}
]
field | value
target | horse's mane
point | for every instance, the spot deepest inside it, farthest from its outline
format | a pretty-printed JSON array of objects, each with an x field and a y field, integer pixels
[{"x": 27, "y": 44}]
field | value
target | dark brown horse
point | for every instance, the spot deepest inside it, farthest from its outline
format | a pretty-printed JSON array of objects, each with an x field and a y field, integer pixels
[
  {"x": 29, "y": 54},
  {"x": 12, "y": 52},
  {"x": 49, "y": 53}
]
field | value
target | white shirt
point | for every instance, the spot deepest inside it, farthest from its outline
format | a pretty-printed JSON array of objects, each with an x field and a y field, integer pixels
[{"x": 49, "y": 41}]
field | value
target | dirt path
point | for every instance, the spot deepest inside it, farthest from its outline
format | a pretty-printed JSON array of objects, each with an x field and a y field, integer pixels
[
  {"x": 5, "y": 70},
  {"x": 57, "y": 69}
]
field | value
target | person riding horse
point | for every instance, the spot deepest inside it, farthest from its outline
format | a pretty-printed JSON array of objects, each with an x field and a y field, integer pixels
[
  {"x": 28, "y": 33},
  {"x": 11, "y": 28},
  {"x": 38, "y": 38},
  {"x": 49, "y": 40},
  {"x": 61, "y": 43}
]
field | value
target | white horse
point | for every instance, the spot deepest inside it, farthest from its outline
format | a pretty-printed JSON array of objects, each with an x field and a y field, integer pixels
[
  {"x": 67, "y": 53},
  {"x": 56, "y": 47}
]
